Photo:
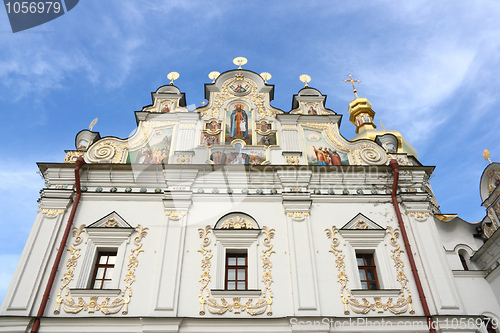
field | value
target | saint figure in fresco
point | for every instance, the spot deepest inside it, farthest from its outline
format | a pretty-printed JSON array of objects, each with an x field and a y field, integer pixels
[
  {"x": 334, "y": 157},
  {"x": 165, "y": 108},
  {"x": 312, "y": 111},
  {"x": 239, "y": 121},
  {"x": 240, "y": 89},
  {"x": 213, "y": 126},
  {"x": 320, "y": 155},
  {"x": 144, "y": 157}
]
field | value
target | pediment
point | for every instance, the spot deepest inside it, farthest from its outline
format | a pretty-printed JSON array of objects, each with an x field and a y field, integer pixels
[
  {"x": 361, "y": 222},
  {"x": 112, "y": 220}
]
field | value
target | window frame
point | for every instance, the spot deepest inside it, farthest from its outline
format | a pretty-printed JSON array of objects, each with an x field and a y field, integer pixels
[
  {"x": 236, "y": 267},
  {"x": 103, "y": 240},
  {"x": 369, "y": 241},
  {"x": 365, "y": 268},
  {"x": 106, "y": 266},
  {"x": 234, "y": 241}
]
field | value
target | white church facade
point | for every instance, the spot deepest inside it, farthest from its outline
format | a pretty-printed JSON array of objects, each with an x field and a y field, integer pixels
[{"x": 239, "y": 217}]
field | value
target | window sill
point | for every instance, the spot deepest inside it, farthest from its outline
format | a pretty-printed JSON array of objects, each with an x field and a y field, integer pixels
[
  {"x": 375, "y": 293},
  {"x": 469, "y": 273},
  {"x": 235, "y": 293},
  {"x": 94, "y": 292}
]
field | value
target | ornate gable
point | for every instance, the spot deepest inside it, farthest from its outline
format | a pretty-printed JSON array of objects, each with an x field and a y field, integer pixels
[
  {"x": 112, "y": 220},
  {"x": 361, "y": 222}
]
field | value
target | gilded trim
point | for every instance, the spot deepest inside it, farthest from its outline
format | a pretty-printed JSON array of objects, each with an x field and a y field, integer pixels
[
  {"x": 364, "y": 306},
  {"x": 69, "y": 305},
  {"x": 222, "y": 306}
]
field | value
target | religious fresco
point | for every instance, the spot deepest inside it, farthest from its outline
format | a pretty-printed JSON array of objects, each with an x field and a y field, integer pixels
[
  {"x": 155, "y": 151},
  {"x": 264, "y": 126},
  {"x": 267, "y": 140},
  {"x": 363, "y": 118},
  {"x": 238, "y": 155},
  {"x": 239, "y": 88},
  {"x": 209, "y": 140},
  {"x": 320, "y": 152},
  {"x": 389, "y": 146},
  {"x": 212, "y": 125},
  {"x": 238, "y": 122},
  {"x": 166, "y": 107},
  {"x": 311, "y": 109}
]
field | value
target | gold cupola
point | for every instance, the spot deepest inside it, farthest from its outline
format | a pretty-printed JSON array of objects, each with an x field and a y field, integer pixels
[{"x": 361, "y": 115}]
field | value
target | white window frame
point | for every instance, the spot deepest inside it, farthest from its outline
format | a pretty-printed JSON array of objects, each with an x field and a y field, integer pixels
[
  {"x": 103, "y": 240},
  {"x": 369, "y": 241},
  {"x": 228, "y": 240}
]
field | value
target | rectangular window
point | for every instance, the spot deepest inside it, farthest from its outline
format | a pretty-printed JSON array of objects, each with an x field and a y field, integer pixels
[
  {"x": 236, "y": 271},
  {"x": 367, "y": 271},
  {"x": 103, "y": 272}
]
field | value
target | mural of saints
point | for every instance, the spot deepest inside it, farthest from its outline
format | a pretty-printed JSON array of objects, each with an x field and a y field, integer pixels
[
  {"x": 238, "y": 125},
  {"x": 155, "y": 151},
  {"x": 320, "y": 152}
]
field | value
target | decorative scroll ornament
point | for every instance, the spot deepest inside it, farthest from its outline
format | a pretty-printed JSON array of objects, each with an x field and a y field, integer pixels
[
  {"x": 69, "y": 305},
  {"x": 71, "y": 156},
  {"x": 222, "y": 306},
  {"x": 364, "y": 306},
  {"x": 237, "y": 222},
  {"x": 109, "y": 150},
  {"x": 52, "y": 212}
]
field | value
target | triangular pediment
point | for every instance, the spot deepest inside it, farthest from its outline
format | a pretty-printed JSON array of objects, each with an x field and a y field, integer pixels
[
  {"x": 112, "y": 220},
  {"x": 361, "y": 222}
]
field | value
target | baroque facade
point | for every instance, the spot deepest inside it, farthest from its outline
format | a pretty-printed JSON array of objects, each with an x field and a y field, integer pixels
[{"x": 239, "y": 217}]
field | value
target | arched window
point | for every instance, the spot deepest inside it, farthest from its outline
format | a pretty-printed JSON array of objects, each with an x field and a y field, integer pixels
[{"x": 462, "y": 254}]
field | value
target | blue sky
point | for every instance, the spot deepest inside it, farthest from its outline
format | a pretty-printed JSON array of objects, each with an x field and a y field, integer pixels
[{"x": 428, "y": 67}]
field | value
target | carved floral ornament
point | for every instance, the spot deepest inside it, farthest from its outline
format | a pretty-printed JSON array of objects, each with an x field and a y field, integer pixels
[
  {"x": 420, "y": 216},
  {"x": 363, "y": 306},
  {"x": 361, "y": 225},
  {"x": 221, "y": 306},
  {"x": 237, "y": 222},
  {"x": 297, "y": 215},
  {"x": 91, "y": 304},
  {"x": 52, "y": 212},
  {"x": 174, "y": 214},
  {"x": 493, "y": 180},
  {"x": 111, "y": 223},
  {"x": 292, "y": 160}
]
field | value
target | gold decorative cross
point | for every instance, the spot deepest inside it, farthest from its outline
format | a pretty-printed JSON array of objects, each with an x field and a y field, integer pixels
[{"x": 353, "y": 87}]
